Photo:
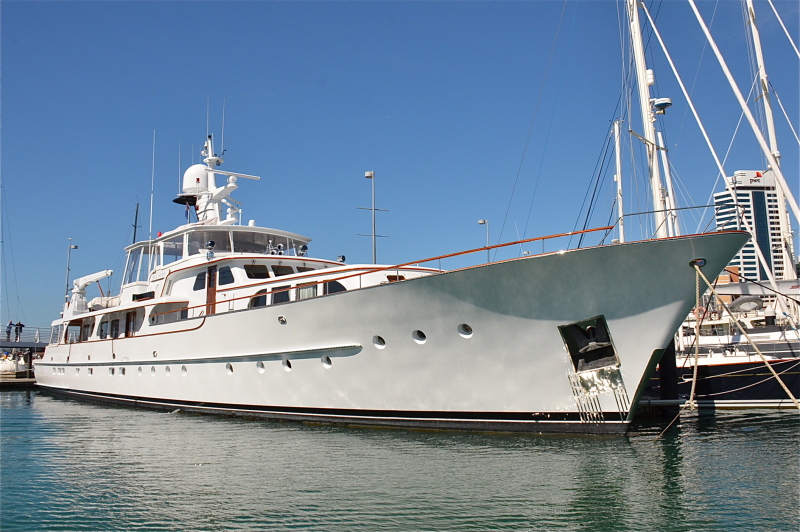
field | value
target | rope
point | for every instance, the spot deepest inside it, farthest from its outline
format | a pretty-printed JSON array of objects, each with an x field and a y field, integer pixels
[{"x": 744, "y": 333}]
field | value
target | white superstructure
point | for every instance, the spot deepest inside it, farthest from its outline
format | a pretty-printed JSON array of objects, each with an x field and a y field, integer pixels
[{"x": 219, "y": 317}]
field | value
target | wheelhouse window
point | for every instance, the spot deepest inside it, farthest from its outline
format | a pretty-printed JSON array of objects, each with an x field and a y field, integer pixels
[
  {"x": 279, "y": 270},
  {"x": 246, "y": 242},
  {"x": 138, "y": 265},
  {"x": 199, "y": 239},
  {"x": 256, "y": 271},
  {"x": 200, "y": 281},
  {"x": 280, "y": 295},
  {"x": 102, "y": 331},
  {"x": 225, "y": 275},
  {"x": 172, "y": 250}
]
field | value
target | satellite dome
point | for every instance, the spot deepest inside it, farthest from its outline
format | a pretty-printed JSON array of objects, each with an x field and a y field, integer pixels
[{"x": 195, "y": 179}]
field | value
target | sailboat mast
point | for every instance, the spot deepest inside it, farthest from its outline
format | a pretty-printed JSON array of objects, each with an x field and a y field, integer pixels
[
  {"x": 786, "y": 250},
  {"x": 618, "y": 179},
  {"x": 644, "y": 79}
]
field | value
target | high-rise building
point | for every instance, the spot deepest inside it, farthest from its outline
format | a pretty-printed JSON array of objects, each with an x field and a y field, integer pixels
[{"x": 759, "y": 202}]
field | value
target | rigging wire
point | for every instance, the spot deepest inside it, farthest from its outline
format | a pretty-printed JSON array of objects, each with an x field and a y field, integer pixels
[{"x": 533, "y": 119}]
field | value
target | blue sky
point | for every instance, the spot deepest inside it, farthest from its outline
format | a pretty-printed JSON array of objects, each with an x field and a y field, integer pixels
[{"x": 465, "y": 111}]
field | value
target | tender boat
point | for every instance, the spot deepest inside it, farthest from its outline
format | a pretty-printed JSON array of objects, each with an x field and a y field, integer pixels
[{"x": 223, "y": 318}]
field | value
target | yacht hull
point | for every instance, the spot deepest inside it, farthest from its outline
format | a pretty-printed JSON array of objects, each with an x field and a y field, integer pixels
[{"x": 508, "y": 346}]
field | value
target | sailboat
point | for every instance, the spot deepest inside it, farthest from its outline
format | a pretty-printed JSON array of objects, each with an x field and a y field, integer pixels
[{"x": 722, "y": 352}]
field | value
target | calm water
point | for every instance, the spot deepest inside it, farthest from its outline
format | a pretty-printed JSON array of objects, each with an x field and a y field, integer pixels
[{"x": 69, "y": 465}]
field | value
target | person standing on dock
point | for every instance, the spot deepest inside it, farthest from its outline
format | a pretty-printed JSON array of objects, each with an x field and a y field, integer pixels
[
  {"x": 18, "y": 330},
  {"x": 8, "y": 330}
]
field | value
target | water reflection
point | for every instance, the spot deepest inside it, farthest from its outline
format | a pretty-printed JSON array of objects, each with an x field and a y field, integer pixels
[{"x": 69, "y": 465}]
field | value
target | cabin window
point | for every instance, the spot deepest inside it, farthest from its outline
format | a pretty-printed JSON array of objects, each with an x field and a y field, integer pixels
[
  {"x": 333, "y": 287},
  {"x": 279, "y": 270},
  {"x": 87, "y": 329},
  {"x": 256, "y": 271},
  {"x": 225, "y": 275},
  {"x": 173, "y": 250},
  {"x": 114, "y": 328},
  {"x": 102, "y": 332},
  {"x": 260, "y": 300},
  {"x": 130, "y": 323},
  {"x": 199, "y": 239},
  {"x": 244, "y": 242},
  {"x": 395, "y": 278},
  {"x": 306, "y": 291},
  {"x": 282, "y": 296},
  {"x": 200, "y": 281},
  {"x": 304, "y": 269}
]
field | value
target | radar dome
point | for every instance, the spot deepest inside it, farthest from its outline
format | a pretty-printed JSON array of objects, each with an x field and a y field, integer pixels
[{"x": 195, "y": 179}]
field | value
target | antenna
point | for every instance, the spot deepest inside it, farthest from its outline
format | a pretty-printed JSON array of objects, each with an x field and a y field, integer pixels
[
  {"x": 208, "y": 100},
  {"x": 152, "y": 186},
  {"x": 222, "y": 140}
]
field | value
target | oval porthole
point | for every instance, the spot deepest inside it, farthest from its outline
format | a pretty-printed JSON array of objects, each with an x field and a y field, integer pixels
[
  {"x": 229, "y": 368},
  {"x": 287, "y": 365},
  {"x": 260, "y": 366},
  {"x": 155, "y": 354},
  {"x": 110, "y": 371},
  {"x": 184, "y": 371},
  {"x": 90, "y": 370},
  {"x": 167, "y": 371},
  {"x": 55, "y": 371},
  {"x": 378, "y": 342},
  {"x": 465, "y": 330},
  {"x": 77, "y": 371},
  {"x": 419, "y": 337},
  {"x": 122, "y": 371},
  {"x": 139, "y": 371},
  {"x": 326, "y": 362},
  {"x": 153, "y": 371}
]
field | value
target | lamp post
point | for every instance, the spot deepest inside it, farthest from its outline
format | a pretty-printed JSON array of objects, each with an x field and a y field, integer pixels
[
  {"x": 486, "y": 223},
  {"x": 69, "y": 253}
]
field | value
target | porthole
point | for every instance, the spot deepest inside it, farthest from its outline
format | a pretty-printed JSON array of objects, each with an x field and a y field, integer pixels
[
  {"x": 167, "y": 371},
  {"x": 419, "y": 337},
  {"x": 110, "y": 371},
  {"x": 229, "y": 368},
  {"x": 260, "y": 366},
  {"x": 282, "y": 319},
  {"x": 326, "y": 362},
  {"x": 90, "y": 371},
  {"x": 152, "y": 371},
  {"x": 378, "y": 342},
  {"x": 184, "y": 371},
  {"x": 139, "y": 371},
  {"x": 77, "y": 371},
  {"x": 122, "y": 371},
  {"x": 287, "y": 365},
  {"x": 55, "y": 371},
  {"x": 155, "y": 354},
  {"x": 465, "y": 330}
]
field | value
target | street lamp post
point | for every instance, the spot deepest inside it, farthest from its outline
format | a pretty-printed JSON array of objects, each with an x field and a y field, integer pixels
[
  {"x": 69, "y": 253},
  {"x": 486, "y": 223}
]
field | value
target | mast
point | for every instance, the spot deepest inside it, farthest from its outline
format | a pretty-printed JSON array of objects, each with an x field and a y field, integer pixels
[
  {"x": 786, "y": 250},
  {"x": 618, "y": 179},
  {"x": 135, "y": 223},
  {"x": 644, "y": 79}
]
